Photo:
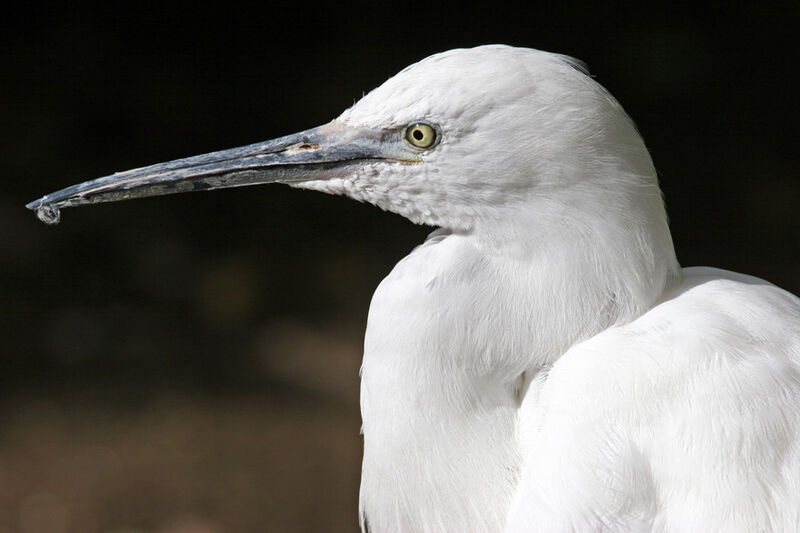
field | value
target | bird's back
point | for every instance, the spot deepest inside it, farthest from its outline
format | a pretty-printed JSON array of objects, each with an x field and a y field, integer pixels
[{"x": 686, "y": 419}]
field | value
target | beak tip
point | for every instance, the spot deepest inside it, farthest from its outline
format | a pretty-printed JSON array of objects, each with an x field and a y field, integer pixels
[{"x": 46, "y": 213}]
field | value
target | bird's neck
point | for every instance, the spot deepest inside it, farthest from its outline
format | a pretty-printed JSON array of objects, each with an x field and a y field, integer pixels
[
  {"x": 455, "y": 332},
  {"x": 589, "y": 259}
]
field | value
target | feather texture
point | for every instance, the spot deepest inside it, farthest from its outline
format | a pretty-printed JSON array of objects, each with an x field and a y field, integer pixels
[{"x": 542, "y": 363}]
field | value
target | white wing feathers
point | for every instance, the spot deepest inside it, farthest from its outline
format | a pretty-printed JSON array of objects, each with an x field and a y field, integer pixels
[{"x": 687, "y": 419}]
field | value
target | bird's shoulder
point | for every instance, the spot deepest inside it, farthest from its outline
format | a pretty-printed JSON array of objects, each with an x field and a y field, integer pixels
[
  {"x": 715, "y": 333},
  {"x": 696, "y": 400}
]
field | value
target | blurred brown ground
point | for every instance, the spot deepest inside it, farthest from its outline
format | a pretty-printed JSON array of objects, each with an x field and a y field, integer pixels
[
  {"x": 181, "y": 464},
  {"x": 133, "y": 458}
]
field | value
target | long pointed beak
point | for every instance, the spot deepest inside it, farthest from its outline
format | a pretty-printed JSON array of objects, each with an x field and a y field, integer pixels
[{"x": 317, "y": 154}]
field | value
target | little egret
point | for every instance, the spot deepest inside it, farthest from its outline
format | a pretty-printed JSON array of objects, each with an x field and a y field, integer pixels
[{"x": 541, "y": 362}]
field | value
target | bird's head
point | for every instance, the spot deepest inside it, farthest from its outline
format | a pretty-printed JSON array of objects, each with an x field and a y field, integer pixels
[{"x": 457, "y": 139}]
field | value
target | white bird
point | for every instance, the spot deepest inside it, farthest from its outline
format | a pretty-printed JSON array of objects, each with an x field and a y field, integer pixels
[{"x": 541, "y": 362}]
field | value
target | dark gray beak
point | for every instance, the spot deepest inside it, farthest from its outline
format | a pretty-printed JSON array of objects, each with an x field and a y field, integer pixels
[{"x": 322, "y": 153}]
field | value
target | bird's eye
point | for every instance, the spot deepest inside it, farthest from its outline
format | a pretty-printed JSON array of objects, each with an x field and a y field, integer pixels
[{"x": 421, "y": 135}]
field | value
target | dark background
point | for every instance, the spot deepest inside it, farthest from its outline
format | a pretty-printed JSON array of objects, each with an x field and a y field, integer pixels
[{"x": 188, "y": 364}]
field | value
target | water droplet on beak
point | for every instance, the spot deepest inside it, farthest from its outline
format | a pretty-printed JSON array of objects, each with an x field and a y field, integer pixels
[{"x": 48, "y": 214}]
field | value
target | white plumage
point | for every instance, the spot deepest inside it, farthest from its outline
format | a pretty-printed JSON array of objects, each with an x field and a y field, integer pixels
[
  {"x": 541, "y": 362},
  {"x": 540, "y": 365}
]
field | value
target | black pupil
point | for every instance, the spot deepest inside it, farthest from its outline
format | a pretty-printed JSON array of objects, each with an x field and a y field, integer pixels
[{"x": 418, "y": 135}]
